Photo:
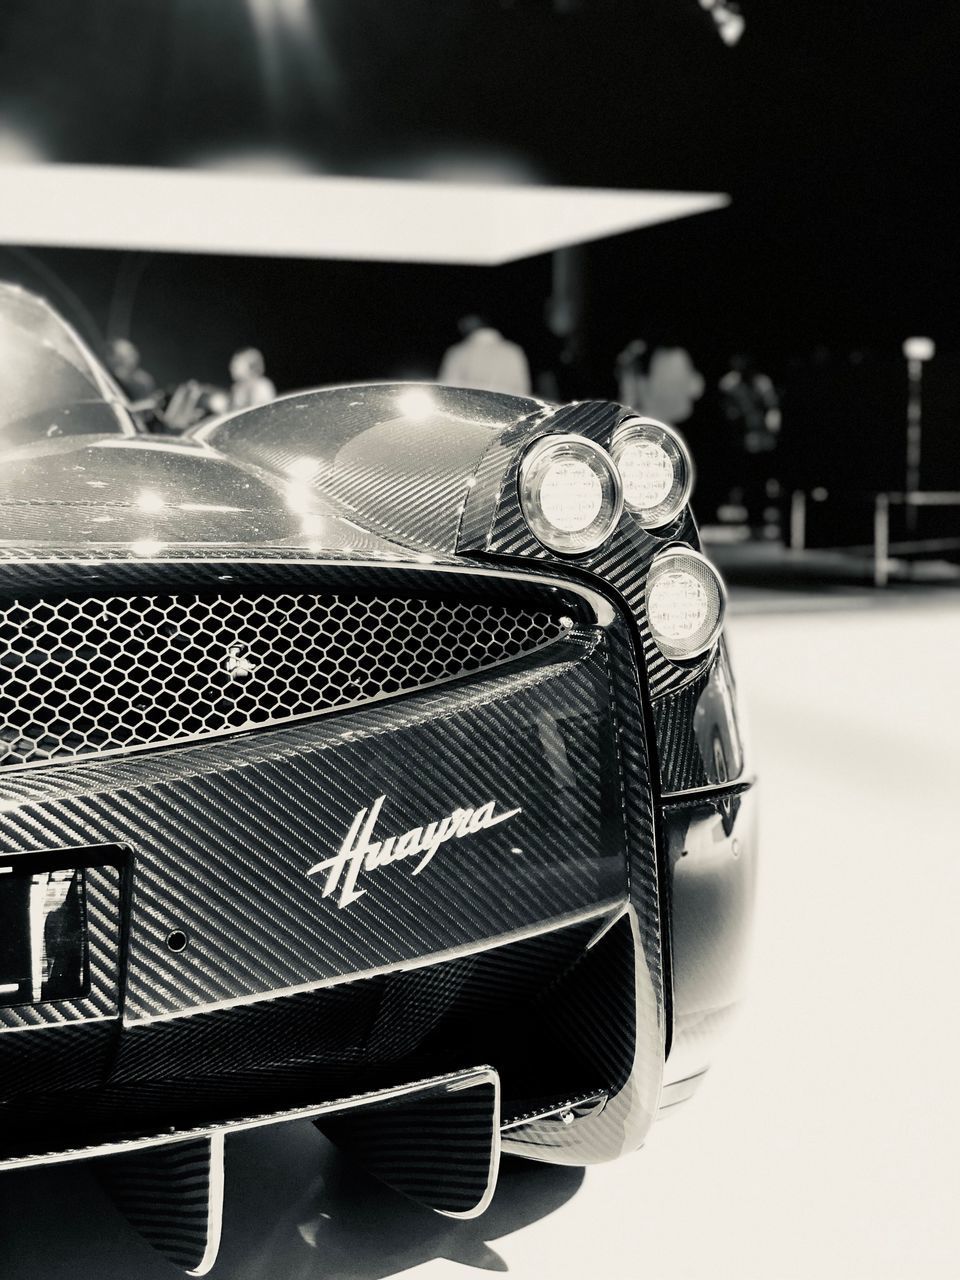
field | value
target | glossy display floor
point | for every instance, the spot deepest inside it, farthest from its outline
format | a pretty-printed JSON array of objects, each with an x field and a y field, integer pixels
[{"x": 823, "y": 1144}]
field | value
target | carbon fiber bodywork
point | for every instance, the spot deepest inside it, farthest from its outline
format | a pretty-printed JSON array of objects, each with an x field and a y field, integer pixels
[
  {"x": 491, "y": 908},
  {"x": 174, "y": 1197},
  {"x": 224, "y": 843},
  {"x": 699, "y": 739},
  {"x": 415, "y": 1142}
]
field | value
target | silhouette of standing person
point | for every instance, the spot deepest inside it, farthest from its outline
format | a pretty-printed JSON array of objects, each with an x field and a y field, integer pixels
[
  {"x": 658, "y": 381},
  {"x": 251, "y": 386},
  {"x": 486, "y": 360}
]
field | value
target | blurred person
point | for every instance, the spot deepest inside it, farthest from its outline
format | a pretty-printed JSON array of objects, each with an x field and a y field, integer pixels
[
  {"x": 751, "y": 405},
  {"x": 486, "y": 360},
  {"x": 123, "y": 361},
  {"x": 658, "y": 381},
  {"x": 158, "y": 408},
  {"x": 561, "y": 376},
  {"x": 750, "y": 401},
  {"x": 251, "y": 386},
  {"x": 192, "y": 402}
]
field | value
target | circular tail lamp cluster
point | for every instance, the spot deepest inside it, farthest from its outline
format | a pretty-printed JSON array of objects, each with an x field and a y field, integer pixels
[
  {"x": 655, "y": 469},
  {"x": 570, "y": 492},
  {"x": 686, "y": 601}
]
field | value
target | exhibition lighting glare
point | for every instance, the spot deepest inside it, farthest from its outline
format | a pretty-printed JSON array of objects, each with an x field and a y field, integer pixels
[
  {"x": 143, "y": 548},
  {"x": 416, "y": 402},
  {"x": 297, "y": 215},
  {"x": 921, "y": 349},
  {"x": 149, "y": 501},
  {"x": 655, "y": 470},
  {"x": 686, "y": 601},
  {"x": 570, "y": 493},
  {"x": 302, "y": 468}
]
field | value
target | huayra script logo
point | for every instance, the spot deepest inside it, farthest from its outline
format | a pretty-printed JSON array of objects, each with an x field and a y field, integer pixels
[{"x": 361, "y": 853}]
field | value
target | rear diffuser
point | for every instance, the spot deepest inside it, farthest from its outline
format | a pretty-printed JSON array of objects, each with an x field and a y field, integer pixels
[{"x": 436, "y": 1141}]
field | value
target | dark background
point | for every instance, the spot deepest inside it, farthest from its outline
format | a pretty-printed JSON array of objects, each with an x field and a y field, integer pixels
[{"x": 833, "y": 126}]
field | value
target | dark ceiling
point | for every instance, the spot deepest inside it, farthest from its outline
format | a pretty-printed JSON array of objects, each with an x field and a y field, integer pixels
[{"x": 832, "y": 124}]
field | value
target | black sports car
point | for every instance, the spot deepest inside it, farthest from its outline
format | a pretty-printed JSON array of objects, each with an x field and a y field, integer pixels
[{"x": 369, "y": 757}]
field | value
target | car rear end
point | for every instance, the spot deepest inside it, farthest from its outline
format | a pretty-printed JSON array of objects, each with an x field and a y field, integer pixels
[{"x": 397, "y": 836}]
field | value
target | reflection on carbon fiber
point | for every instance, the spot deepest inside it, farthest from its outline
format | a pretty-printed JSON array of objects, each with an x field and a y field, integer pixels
[
  {"x": 173, "y": 1196},
  {"x": 294, "y": 1207},
  {"x": 501, "y": 1006},
  {"x": 698, "y": 731}
]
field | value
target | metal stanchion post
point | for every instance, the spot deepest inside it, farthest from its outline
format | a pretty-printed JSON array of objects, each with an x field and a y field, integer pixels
[
  {"x": 881, "y": 539},
  {"x": 917, "y": 352},
  {"x": 798, "y": 520}
]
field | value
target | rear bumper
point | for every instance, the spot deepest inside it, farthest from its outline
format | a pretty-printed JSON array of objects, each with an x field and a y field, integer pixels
[
  {"x": 560, "y": 1014},
  {"x": 437, "y": 1138},
  {"x": 344, "y": 964},
  {"x": 301, "y": 989}
]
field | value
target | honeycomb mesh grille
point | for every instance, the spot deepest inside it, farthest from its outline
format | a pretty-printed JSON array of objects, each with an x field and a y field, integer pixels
[{"x": 84, "y": 676}]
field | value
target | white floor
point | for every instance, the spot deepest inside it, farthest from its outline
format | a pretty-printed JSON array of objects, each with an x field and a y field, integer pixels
[{"x": 826, "y": 1141}]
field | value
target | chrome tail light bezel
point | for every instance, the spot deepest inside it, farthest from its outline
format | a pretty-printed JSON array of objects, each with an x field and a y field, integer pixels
[{"x": 533, "y": 468}]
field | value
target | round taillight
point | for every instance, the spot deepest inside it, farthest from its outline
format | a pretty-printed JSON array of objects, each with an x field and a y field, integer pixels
[
  {"x": 686, "y": 602},
  {"x": 570, "y": 493},
  {"x": 655, "y": 470}
]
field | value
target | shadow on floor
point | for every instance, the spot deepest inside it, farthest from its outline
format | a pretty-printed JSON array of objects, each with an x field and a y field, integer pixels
[{"x": 294, "y": 1207}]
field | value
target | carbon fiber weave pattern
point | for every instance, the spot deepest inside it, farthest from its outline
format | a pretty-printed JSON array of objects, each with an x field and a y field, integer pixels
[
  {"x": 225, "y": 834},
  {"x": 399, "y": 456},
  {"x": 320, "y": 1045},
  {"x": 493, "y": 523},
  {"x": 64, "y": 1057},
  {"x": 440, "y": 1148},
  {"x": 352, "y": 1025},
  {"x": 698, "y": 734},
  {"x": 172, "y": 1195},
  {"x": 605, "y": 1005},
  {"x": 645, "y": 868},
  {"x": 60, "y": 565},
  {"x": 682, "y": 762},
  {"x": 243, "y": 1120},
  {"x": 573, "y": 1038},
  {"x": 273, "y": 570}
]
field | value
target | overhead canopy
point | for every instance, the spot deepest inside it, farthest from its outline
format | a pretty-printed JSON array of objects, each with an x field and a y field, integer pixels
[{"x": 298, "y": 216}]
